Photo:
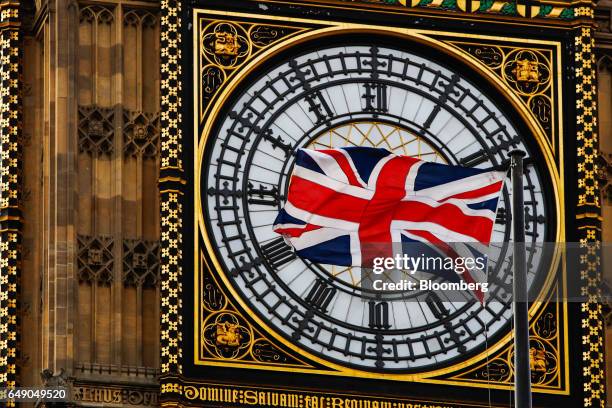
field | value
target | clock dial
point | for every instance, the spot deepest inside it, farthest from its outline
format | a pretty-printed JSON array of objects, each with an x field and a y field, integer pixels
[{"x": 359, "y": 95}]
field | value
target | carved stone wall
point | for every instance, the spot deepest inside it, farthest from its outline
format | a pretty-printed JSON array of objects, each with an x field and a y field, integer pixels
[
  {"x": 605, "y": 168},
  {"x": 91, "y": 74},
  {"x": 91, "y": 130}
]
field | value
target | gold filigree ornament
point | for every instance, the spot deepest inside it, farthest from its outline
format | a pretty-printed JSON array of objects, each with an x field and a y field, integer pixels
[
  {"x": 226, "y": 336},
  {"x": 264, "y": 35},
  {"x": 543, "y": 362},
  {"x": 537, "y": 360},
  {"x": 491, "y": 55},
  {"x": 546, "y": 351},
  {"x": 212, "y": 78},
  {"x": 225, "y": 44},
  {"x": 212, "y": 299},
  {"x": 527, "y": 71}
]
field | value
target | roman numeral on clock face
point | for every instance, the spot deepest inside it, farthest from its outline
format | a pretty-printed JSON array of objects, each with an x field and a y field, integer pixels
[
  {"x": 278, "y": 253},
  {"x": 320, "y": 295},
  {"x": 474, "y": 159},
  {"x": 378, "y": 315},
  {"x": 375, "y": 97},
  {"x": 319, "y": 106},
  {"x": 436, "y": 306},
  {"x": 502, "y": 217},
  {"x": 262, "y": 195}
]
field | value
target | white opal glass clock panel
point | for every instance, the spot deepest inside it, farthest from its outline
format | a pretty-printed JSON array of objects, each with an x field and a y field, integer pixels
[{"x": 357, "y": 95}]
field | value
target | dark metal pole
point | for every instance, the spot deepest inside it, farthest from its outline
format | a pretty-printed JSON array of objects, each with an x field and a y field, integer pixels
[{"x": 522, "y": 372}]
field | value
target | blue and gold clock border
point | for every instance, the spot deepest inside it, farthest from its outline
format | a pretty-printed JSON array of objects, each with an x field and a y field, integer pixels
[{"x": 585, "y": 223}]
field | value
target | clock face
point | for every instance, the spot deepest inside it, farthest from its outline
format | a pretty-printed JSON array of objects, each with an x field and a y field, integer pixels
[{"x": 359, "y": 95}]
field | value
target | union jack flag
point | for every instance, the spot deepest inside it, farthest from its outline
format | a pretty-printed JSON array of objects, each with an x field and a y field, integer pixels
[{"x": 346, "y": 206}]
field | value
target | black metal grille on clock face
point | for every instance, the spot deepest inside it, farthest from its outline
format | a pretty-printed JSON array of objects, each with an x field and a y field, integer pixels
[{"x": 369, "y": 95}]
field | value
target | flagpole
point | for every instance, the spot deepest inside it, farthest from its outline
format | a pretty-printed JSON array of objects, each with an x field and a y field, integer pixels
[{"x": 522, "y": 372}]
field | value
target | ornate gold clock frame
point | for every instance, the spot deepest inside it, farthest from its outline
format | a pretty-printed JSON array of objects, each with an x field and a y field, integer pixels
[{"x": 206, "y": 53}]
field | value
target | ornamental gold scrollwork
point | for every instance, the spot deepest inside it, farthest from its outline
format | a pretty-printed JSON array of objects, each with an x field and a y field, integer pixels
[
  {"x": 225, "y": 46},
  {"x": 229, "y": 337},
  {"x": 541, "y": 107},
  {"x": 544, "y": 365},
  {"x": 491, "y": 56},
  {"x": 229, "y": 334},
  {"x": 212, "y": 78},
  {"x": 537, "y": 360},
  {"x": 546, "y": 326},
  {"x": 263, "y": 35},
  {"x": 226, "y": 335},
  {"x": 543, "y": 362},
  {"x": 528, "y": 72},
  {"x": 265, "y": 352},
  {"x": 545, "y": 357},
  {"x": 212, "y": 299}
]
